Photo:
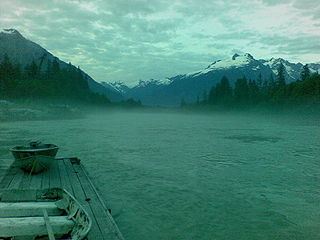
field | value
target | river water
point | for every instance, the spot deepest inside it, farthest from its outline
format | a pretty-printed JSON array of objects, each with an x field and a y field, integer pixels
[{"x": 193, "y": 176}]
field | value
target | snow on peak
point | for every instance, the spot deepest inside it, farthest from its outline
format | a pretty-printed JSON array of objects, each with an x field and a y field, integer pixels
[
  {"x": 235, "y": 56},
  {"x": 117, "y": 86},
  {"x": 248, "y": 55},
  {"x": 158, "y": 82},
  {"x": 274, "y": 63},
  {"x": 165, "y": 81},
  {"x": 9, "y": 31},
  {"x": 234, "y": 62}
]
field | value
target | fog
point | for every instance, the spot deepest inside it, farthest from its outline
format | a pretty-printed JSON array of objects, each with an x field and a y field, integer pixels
[{"x": 186, "y": 175}]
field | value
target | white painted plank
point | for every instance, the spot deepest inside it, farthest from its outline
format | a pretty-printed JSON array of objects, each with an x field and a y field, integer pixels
[
  {"x": 25, "y": 209},
  {"x": 28, "y": 226}
]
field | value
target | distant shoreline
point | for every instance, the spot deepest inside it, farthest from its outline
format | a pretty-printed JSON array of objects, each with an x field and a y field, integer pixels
[{"x": 19, "y": 111}]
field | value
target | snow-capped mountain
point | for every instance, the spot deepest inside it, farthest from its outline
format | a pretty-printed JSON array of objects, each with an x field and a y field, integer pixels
[
  {"x": 236, "y": 61},
  {"x": 153, "y": 82},
  {"x": 9, "y": 31},
  {"x": 116, "y": 86},
  {"x": 314, "y": 67},
  {"x": 293, "y": 69},
  {"x": 194, "y": 85},
  {"x": 23, "y": 51}
]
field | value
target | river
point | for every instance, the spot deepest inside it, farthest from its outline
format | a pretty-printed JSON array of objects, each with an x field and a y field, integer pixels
[{"x": 193, "y": 176}]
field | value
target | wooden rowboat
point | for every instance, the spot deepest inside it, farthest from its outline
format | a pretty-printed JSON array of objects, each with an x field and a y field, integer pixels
[
  {"x": 34, "y": 158},
  {"x": 41, "y": 214}
]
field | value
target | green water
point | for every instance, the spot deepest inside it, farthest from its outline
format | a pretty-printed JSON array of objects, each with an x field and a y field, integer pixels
[{"x": 193, "y": 176}]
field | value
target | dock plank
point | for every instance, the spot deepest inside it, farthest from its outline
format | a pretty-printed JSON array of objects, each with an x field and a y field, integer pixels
[
  {"x": 104, "y": 219},
  {"x": 25, "y": 181},
  {"x": 36, "y": 181},
  {"x": 55, "y": 179},
  {"x": 65, "y": 181},
  {"x": 95, "y": 208},
  {"x": 71, "y": 175},
  {"x": 17, "y": 179},
  {"x": 45, "y": 179},
  {"x": 95, "y": 232},
  {"x": 8, "y": 177}
]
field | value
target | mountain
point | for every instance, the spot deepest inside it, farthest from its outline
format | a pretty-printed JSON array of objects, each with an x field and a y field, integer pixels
[
  {"x": 194, "y": 85},
  {"x": 116, "y": 86},
  {"x": 23, "y": 51},
  {"x": 293, "y": 69}
]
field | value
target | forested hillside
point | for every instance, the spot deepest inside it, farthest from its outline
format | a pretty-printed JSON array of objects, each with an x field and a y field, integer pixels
[
  {"x": 67, "y": 84},
  {"x": 273, "y": 91}
]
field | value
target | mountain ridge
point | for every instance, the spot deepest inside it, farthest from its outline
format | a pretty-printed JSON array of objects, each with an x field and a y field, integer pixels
[
  {"x": 23, "y": 51},
  {"x": 192, "y": 86}
]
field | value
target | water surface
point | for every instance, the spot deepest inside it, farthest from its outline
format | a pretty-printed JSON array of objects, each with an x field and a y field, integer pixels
[{"x": 193, "y": 176}]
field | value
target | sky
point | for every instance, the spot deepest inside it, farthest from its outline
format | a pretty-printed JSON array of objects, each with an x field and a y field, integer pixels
[{"x": 132, "y": 40}]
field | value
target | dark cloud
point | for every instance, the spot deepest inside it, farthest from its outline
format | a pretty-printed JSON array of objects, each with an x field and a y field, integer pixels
[{"x": 140, "y": 39}]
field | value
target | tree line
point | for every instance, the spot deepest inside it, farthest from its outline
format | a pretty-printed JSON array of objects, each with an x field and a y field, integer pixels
[
  {"x": 273, "y": 91},
  {"x": 31, "y": 82}
]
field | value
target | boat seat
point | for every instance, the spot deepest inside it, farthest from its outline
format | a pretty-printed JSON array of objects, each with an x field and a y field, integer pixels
[
  {"x": 28, "y": 209},
  {"x": 33, "y": 226}
]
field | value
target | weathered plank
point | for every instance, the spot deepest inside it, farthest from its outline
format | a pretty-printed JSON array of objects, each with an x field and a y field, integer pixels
[
  {"x": 36, "y": 181},
  {"x": 55, "y": 180},
  {"x": 25, "y": 181},
  {"x": 27, "y": 209},
  {"x": 72, "y": 176},
  {"x": 95, "y": 232},
  {"x": 8, "y": 177},
  {"x": 100, "y": 211},
  {"x": 45, "y": 179},
  {"x": 22, "y": 226},
  {"x": 64, "y": 177},
  {"x": 95, "y": 209},
  {"x": 17, "y": 179}
]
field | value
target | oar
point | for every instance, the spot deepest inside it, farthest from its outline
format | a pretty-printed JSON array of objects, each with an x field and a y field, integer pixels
[{"x": 49, "y": 227}]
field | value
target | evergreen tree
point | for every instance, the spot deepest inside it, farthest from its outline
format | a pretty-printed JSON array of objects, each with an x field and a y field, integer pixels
[
  {"x": 305, "y": 73},
  {"x": 32, "y": 70},
  {"x": 253, "y": 92},
  {"x": 221, "y": 93},
  {"x": 6, "y": 76},
  {"x": 241, "y": 91},
  {"x": 212, "y": 98},
  {"x": 260, "y": 81},
  {"x": 281, "y": 80},
  {"x": 204, "y": 96},
  {"x": 54, "y": 83},
  {"x": 281, "y": 91},
  {"x": 183, "y": 103}
]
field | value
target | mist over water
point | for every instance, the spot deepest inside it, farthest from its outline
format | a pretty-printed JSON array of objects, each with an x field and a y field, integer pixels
[{"x": 193, "y": 176}]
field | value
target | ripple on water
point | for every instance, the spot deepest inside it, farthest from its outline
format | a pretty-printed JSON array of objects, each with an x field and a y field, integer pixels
[{"x": 246, "y": 138}]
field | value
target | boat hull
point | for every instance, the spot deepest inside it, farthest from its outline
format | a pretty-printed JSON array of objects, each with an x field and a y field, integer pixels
[
  {"x": 34, "y": 164},
  {"x": 34, "y": 160}
]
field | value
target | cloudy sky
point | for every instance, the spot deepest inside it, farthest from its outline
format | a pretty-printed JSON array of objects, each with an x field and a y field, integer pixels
[{"x": 128, "y": 40}]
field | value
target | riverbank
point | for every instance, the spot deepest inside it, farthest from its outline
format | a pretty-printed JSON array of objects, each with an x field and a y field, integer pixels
[{"x": 24, "y": 111}]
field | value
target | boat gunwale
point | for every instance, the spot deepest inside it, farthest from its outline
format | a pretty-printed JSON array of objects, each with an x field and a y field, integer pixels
[{"x": 26, "y": 149}]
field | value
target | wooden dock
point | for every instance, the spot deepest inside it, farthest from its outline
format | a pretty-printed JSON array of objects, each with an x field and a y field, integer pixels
[{"x": 69, "y": 173}]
